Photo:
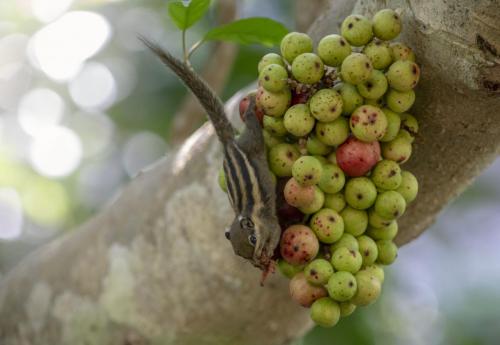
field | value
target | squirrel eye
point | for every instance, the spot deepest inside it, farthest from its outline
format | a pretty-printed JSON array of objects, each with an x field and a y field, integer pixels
[
  {"x": 246, "y": 223},
  {"x": 252, "y": 239},
  {"x": 227, "y": 234}
]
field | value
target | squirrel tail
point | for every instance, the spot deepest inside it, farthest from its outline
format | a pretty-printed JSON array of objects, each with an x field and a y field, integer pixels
[{"x": 207, "y": 98}]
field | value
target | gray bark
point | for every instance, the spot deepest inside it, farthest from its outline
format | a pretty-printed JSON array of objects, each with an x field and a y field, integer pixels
[{"x": 154, "y": 267}]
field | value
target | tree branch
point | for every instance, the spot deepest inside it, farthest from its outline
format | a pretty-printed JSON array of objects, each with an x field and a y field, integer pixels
[{"x": 154, "y": 267}]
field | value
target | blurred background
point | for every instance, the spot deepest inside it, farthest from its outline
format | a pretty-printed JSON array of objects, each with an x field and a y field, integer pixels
[{"x": 83, "y": 110}]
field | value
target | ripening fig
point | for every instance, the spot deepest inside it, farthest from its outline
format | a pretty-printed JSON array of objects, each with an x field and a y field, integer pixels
[
  {"x": 347, "y": 260},
  {"x": 360, "y": 193},
  {"x": 328, "y": 225},
  {"x": 335, "y": 201},
  {"x": 273, "y": 78},
  {"x": 348, "y": 241},
  {"x": 326, "y": 105},
  {"x": 273, "y": 103},
  {"x": 376, "y": 270},
  {"x": 269, "y": 59},
  {"x": 351, "y": 99},
  {"x": 288, "y": 270},
  {"x": 387, "y": 175},
  {"x": 368, "y": 123},
  {"x": 342, "y": 286},
  {"x": 404, "y": 134},
  {"x": 332, "y": 158},
  {"x": 374, "y": 87},
  {"x": 303, "y": 292},
  {"x": 317, "y": 203},
  {"x": 307, "y": 170},
  {"x": 281, "y": 158},
  {"x": 379, "y": 54},
  {"x": 388, "y": 252},
  {"x": 399, "y": 149},
  {"x": 308, "y": 68},
  {"x": 346, "y": 308},
  {"x": 325, "y": 312},
  {"x": 386, "y": 24},
  {"x": 369, "y": 288},
  {"x": 403, "y": 75},
  {"x": 376, "y": 220},
  {"x": 400, "y": 51},
  {"x": 333, "y": 133},
  {"x": 355, "y": 221},
  {"x": 274, "y": 125},
  {"x": 356, "y": 157},
  {"x": 383, "y": 233},
  {"x": 357, "y": 30},
  {"x": 298, "y": 245},
  {"x": 368, "y": 249},
  {"x": 408, "y": 187},
  {"x": 332, "y": 179},
  {"x": 298, "y": 195},
  {"x": 315, "y": 147},
  {"x": 271, "y": 140},
  {"x": 318, "y": 271},
  {"x": 356, "y": 68},
  {"x": 393, "y": 125},
  {"x": 298, "y": 120},
  {"x": 399, "y": 101},
  {"x": 321, "y": 159},
  {"x": 379, "y": 102},
  {"x": 409, "y": 123},
  {"x": 390, "y": 205},
  {"x": 294, "y": 44},
  {"x": 333, "y": 49}
]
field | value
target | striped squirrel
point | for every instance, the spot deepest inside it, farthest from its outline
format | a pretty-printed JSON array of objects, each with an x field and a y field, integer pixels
[{"x": 255, "y": 232}]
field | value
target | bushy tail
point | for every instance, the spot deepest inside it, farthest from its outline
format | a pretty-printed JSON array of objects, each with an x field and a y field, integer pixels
[{"x": 207, "y": 98}]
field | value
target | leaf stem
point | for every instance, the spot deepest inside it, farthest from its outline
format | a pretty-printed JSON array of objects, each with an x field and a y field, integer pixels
[
  {"x": 194, "y": 47},
  {"x": 184, "y": 49}
]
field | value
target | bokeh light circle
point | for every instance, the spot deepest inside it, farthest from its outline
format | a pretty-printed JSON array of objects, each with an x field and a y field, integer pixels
[
  {"x": 56, "y": 152},
  {"x": 94, "y": 87},
  {"x": 48, "y": 10},
  {"x": 95, "y": 130},
  {"x": 39, "y": 109},
  {"x": 60, "y": 48}
]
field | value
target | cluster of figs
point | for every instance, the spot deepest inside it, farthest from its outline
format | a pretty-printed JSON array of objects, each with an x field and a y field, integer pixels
[{"x": 337, "y": 128}]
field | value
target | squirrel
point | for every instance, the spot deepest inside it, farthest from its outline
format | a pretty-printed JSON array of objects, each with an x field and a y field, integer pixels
[{"x": 255, "y": 231}]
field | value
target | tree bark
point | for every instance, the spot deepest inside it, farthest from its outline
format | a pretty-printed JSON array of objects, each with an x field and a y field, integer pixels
[
  {"x": 307, "y": 11},
  {"x": 154, "y": 267}
]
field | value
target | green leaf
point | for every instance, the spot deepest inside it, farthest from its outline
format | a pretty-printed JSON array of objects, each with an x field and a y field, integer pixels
[
  {"x": 185, "y": 16},
  {"x": 258, "y": 30}
]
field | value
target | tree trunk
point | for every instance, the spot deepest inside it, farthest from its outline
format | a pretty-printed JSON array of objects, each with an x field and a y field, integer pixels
[{"x": 154, "y": 266}]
